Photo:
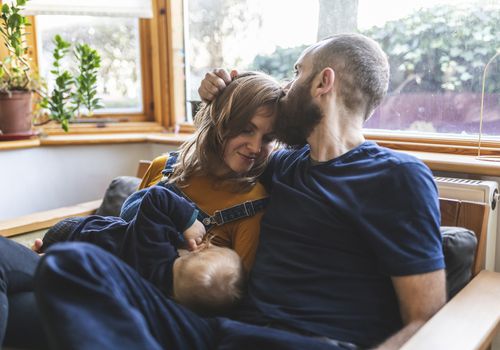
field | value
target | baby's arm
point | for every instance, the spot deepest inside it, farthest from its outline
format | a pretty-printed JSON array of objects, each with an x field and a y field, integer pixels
[
  {"x": 163, "y": 215},
  {"x": 154, "y": 235}
]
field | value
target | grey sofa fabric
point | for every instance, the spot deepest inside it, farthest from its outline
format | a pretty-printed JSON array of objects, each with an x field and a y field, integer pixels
[
  {"x": 459, "y": 247},
  {"x": 118, "y": 190}
]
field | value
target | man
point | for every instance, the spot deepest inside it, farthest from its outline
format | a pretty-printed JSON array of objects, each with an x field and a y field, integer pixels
[{"x": 350, "y": 252}]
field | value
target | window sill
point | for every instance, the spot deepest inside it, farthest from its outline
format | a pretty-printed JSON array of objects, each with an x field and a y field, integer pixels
[
  {"x": 438, "y": 157},
  {"x": 102, "y": 128},
  {"x": 10, "y": 145},
  {"x": 96, "y": 139},
  {"x": 458, "y": 163}
]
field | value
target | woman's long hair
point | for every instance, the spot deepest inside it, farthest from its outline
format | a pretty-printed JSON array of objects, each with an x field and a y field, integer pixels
[{"x": 221, "y": 120}]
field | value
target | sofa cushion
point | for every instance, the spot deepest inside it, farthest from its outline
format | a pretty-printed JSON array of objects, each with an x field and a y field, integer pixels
[
  {"x": 118, "y": 190},
  {"x": 459, "y": 248}
]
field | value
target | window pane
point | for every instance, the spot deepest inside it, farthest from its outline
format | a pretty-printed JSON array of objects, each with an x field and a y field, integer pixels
[
  {"x": 246, "y": 34},
  {"x": 437, "y": 51},
  {"x": 116, "y": 40}
]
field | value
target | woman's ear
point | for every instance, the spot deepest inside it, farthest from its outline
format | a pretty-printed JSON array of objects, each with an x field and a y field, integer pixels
[{"x": 324, "y": 83}]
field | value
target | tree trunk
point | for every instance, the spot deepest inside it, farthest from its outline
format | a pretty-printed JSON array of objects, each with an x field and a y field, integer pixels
[{"x": 337, "y": 16}]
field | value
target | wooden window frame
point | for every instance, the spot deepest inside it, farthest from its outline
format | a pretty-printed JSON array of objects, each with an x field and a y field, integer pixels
[
  {"x": 164, "y": 99},
  {"x": 437, "y": 143},
  {"x": 157, "y": 71}
]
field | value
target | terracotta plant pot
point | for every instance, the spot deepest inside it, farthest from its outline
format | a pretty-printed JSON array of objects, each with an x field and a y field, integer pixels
[{"x": 15, "y": 112}]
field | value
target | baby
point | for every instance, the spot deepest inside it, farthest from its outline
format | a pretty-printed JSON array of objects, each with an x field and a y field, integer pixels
[{"x": 206, "y": 279}]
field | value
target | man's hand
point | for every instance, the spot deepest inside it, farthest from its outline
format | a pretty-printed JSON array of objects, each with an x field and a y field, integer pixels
[
  {"x": 194, "y": 235},
  {"x": 214, "y": 82}
]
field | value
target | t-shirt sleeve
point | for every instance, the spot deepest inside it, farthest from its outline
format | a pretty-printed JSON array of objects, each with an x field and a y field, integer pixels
[
  {"x": 267, "y": 176},
  {"x": 401, "y": 221},
  {"x": 162, "y": 207}
]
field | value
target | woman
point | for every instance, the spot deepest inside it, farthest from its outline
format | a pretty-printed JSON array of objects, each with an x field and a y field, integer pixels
[
  {"x": 217, "y": 169},
  {"x": 217, "y": 174}
]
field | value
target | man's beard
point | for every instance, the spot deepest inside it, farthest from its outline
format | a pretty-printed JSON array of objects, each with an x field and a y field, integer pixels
[{"x": 297, "y": 117}]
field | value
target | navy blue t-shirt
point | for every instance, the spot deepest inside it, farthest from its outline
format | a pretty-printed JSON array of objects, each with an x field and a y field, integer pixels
[{"x": 333, "y": 235}]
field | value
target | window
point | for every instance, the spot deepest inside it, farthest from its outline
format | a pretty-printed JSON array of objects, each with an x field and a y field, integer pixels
[
  {"x": 117, "y": 41},
  {"x": 121, "y": 31},
  {"x": 437, "y": 51}
]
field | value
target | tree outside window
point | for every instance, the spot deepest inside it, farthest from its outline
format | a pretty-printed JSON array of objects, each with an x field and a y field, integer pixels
[{"x": 437, "y": 52}]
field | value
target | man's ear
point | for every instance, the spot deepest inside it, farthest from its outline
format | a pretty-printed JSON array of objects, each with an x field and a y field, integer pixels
[{"x": 324, "y": 82}]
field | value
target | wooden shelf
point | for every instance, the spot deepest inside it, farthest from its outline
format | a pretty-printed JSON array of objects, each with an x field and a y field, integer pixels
[{"x": 45, "y": 219}]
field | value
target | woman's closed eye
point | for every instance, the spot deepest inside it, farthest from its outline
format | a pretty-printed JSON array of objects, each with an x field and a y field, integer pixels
[{"x": 248, "y": 131}]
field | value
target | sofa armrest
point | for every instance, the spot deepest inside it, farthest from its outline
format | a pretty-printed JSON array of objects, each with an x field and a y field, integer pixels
[{"x": 468, "y": 321}]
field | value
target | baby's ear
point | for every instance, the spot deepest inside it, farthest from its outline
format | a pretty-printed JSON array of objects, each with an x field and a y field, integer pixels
[{"x": 234, "y": 74}]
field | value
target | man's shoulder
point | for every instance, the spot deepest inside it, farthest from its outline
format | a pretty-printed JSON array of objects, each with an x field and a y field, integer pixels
[
  {"x": 288, "y": 155},
  {"x": 390, "y": 155},
  {"x": 382, "y": 157}
]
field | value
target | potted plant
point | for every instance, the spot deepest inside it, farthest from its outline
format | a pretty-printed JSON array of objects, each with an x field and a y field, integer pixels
[{"x": 16, "y": 80}]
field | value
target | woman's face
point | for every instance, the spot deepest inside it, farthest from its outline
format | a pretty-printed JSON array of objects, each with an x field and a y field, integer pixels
[{"x": 255, "y": 142}]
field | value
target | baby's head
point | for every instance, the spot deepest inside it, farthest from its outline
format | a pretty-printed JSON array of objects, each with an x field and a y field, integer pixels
[{"x": 209, "y": 281}]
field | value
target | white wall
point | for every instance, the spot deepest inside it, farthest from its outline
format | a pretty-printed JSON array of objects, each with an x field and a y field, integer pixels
[{"x": 43, "y": 178}]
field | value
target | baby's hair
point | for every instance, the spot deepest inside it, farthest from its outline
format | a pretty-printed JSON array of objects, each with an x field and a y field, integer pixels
[{"x": 211, "y": 281}]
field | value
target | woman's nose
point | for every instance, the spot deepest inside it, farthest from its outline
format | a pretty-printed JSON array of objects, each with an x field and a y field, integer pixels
[{"x": 255, "y": 146}]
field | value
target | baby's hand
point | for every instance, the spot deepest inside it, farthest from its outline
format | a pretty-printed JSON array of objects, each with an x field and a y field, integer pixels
[
  {"x": 37, "y": 246},
  {"x": 194, "y": 235}
]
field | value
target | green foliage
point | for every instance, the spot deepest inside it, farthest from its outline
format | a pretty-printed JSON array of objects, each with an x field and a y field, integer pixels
[
  {"x": 59, "y": 102},
  {"x": 216, "y": 26},
  {"x": 86, "y": 82},
  {"x": 280, "y": 63},
  {"x": 116, "y": 42},
  {"x": 15, "y": 68},
  {"x": 70, "y": 93},
  {"x": 443, "y": 48}
]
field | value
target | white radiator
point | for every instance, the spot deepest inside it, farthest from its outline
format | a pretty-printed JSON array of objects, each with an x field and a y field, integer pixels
[{"x": 477, "y": 191}]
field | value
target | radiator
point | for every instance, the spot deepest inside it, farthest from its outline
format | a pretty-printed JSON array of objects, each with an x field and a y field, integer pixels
[{"x": 477, "y": 191}]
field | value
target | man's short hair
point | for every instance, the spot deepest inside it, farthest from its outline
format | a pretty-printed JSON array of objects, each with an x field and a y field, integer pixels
[{"x": 361, "y": 69}]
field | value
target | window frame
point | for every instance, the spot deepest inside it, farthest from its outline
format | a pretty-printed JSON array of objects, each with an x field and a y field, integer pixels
[
  {"x": 440, "y": 143},
  {"x": 164, "y": 97},
  {"x": 155, "y": 52}
]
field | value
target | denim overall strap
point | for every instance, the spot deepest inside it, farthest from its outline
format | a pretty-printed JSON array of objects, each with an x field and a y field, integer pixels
[
  {"x": 240, "y": 211},
  {"x": 220, "y": 217},
  {"x": 169, "y": 165},
  {"x": 167, "y": 171},
  {"x": 202, "y": 216}
]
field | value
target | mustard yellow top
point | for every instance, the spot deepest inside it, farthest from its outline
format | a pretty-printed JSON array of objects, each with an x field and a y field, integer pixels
[{"x": 241, "y": 235}]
